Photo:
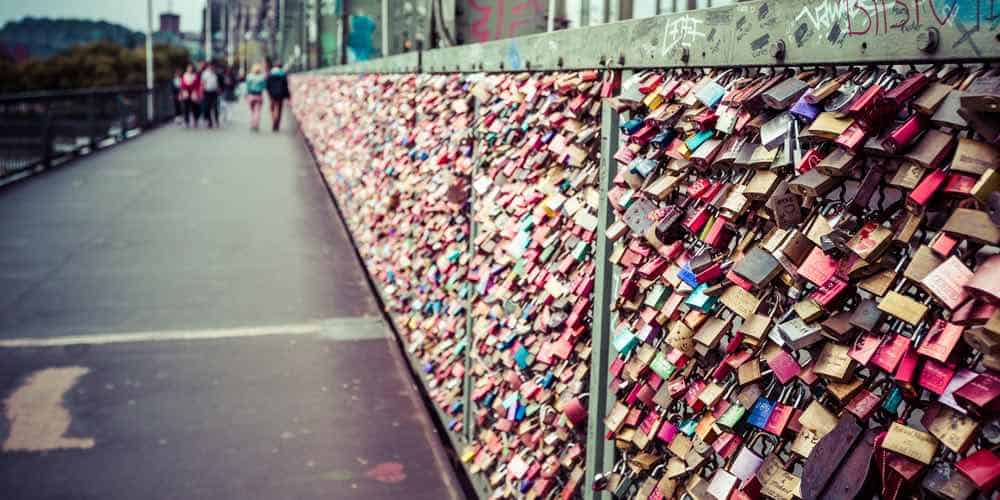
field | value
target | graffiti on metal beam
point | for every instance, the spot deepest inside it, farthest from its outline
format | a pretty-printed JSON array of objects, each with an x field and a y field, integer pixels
[
  {"x": 506, "y": 18},
  {"x": 361, "y": 39},
  {"x": 683, "y": 31},
  {"x": 880, "y": 17}
]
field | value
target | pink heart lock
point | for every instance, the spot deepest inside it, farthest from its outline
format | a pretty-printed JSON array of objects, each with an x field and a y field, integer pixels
[{"x": 575, "y": 411}]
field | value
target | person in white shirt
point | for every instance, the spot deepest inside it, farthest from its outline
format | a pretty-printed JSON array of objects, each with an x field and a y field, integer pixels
[{"x": 210, "y": 88}]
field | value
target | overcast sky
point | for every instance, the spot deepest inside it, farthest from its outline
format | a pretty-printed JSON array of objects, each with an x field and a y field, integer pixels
[{"x": 131, "y": 13}]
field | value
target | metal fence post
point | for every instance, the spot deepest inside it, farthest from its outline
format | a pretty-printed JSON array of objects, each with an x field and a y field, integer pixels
[
  {"x": 600, "y": 452},
  {"x": 92, "y": 120},
  {"x": 120, "y": 105},
  {"x": 47, "y": 136},
  {"x": 468, "y": 423}
]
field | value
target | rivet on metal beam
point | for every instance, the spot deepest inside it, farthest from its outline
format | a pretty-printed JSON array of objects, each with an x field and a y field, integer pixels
[
  {"x": 928, "y": 40},
  {"x": 778, "y": 50}
]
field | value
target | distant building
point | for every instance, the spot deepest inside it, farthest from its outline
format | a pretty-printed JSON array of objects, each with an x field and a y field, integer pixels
[
  {"x": 170, "y": 23},
  {"x": 170, "y": 33}
]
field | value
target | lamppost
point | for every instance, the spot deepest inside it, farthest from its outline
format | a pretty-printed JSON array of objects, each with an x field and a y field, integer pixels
[
  {"x": 208, "y": 30},
  {"x": 149, "y": 60}
]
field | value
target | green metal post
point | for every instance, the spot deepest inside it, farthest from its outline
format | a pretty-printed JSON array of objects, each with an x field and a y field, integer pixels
[
  {"x": 600, "y": 452},
  {"x": 469, "y": 422}
]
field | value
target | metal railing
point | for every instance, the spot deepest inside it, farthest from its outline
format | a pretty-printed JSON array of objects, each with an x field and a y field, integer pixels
[
  {"x": 760, "y": 33},
  {"x": 42, "y": 129}
]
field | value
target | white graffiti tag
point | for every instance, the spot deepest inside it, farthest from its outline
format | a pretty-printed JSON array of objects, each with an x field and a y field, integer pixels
[
  {"x": 684, "y": 31},
  {"x": 823, "y": 16}
]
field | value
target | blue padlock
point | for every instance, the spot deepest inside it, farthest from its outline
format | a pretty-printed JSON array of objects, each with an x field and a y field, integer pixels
[
  {"x": 687, "y": 276},
  {"x": 664, "y": 138},
  {"x": 699, "y": 300},
  {"x": 892, "y": 400},
  {"x": 631, "y": 126},
  {"x": 761, "y": 410},
  {"x": 523, "y": 358},
  {"x": 698, "y": 139}
]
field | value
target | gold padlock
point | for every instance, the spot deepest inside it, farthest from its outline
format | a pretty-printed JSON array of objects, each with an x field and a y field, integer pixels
[
  {"x": 910, "y": 442},
  {"x": 903, "y": 307}
]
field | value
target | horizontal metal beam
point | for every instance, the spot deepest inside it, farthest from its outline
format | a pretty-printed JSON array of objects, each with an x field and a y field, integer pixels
[
  {"x": 757, "y": 33},
  {"x": 752, "y": 34},
  {"x": 42, "y": 95},
  {"x": 407, "y": 62}
]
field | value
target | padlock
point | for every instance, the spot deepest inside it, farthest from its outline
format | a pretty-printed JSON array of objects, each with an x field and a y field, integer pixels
[
  {"x": 783, "y": 410},
  {"x": 953, "y": 429},
  {"x": 980, "y": 395},
  {"x": 904, "y": 135},
  {"x": 575, "y": 411},
  {"x": 944, "y": 481},
  {"x": 761, "y": 410},
  {"x": 748, "y": 459}
]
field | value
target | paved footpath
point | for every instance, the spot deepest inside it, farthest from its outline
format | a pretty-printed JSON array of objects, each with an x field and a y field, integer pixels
[{"x": 182, "y": 316}]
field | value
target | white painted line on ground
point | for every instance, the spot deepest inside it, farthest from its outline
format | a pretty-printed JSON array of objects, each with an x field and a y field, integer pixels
[
  {"x": 165, "y": 335},
  {"x": 344, "y": 328}
]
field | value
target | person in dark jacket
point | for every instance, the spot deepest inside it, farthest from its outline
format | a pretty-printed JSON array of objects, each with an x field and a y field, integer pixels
[{"x": 277, "y": 91}]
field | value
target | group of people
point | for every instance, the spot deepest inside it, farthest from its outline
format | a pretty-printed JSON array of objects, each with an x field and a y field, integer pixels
[{"x": 197, "y": 93}]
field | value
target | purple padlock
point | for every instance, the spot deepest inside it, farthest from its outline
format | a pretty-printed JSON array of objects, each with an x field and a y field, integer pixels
[{"x": 805, "y": 111}]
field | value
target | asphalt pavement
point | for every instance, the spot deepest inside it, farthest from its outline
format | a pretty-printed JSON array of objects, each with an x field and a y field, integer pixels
[{"x": 182, "y": 316}]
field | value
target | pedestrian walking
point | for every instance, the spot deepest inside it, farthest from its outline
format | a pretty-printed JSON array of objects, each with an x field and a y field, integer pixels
[
  {"x": 277, "y": 91},
  {"x": 175, "y": 92},
  {"x": 228, "y": 94},
  {"x": 190, "y": 95},
  {"x": 255, "y": 85},
  {"x": 210, "y": 88}
]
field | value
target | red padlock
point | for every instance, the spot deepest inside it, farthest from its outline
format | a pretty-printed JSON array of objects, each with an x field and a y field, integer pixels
[
  {"x": 905, "y": 134},
  {"x": 930, "y": 185},
  {"x": 575, "y": 411},
  {"x": 983, "y": 468}
]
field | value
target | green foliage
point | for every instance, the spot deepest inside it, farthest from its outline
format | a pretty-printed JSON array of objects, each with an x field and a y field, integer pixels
[
  {"x": 43, "y": 37},
  {"x": 98, "y": 64}
]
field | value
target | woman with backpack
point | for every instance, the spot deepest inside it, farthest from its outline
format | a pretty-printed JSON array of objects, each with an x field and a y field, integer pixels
[
  {"x": 277, "y": 90},
  {"x": 255, "y": 85}
]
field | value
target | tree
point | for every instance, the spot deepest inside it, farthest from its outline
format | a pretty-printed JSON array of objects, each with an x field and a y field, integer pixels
[{"x": 98, "y": 64}]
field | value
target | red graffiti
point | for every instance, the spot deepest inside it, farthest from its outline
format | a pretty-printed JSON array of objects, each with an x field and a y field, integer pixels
[
  {"x": 388, "y": 472},
  {"x": 873, "y": 16},
  {"x": 850, "y": 19},
  {"x": 498, "y": 19}
]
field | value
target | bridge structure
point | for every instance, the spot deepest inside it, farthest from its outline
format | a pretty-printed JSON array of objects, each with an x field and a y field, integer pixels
[
  {"x": 186, "y": 308},
  {"x": 183, "y": 315}
]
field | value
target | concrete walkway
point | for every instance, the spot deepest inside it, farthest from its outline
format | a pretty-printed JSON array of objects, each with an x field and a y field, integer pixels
[{"x": 182, "y": 316}]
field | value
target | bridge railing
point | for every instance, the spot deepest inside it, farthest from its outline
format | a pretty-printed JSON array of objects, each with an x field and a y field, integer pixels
[
  {"x": 381, "y": 137},
  {"x": 42, "y": 129}
]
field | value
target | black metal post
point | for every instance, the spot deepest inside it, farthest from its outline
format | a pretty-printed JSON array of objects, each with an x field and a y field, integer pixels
[{"x": 47, "y": 136}]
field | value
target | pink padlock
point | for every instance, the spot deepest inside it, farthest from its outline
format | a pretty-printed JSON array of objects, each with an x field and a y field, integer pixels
[{"x": 574, "y": 410}]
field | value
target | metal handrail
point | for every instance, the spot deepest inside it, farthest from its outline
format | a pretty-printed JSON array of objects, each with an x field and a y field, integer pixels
[
  {"x": 753, "y": 33},
  {"x": 60, "y": 94},
  {"x": 39, "y": 130}
]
